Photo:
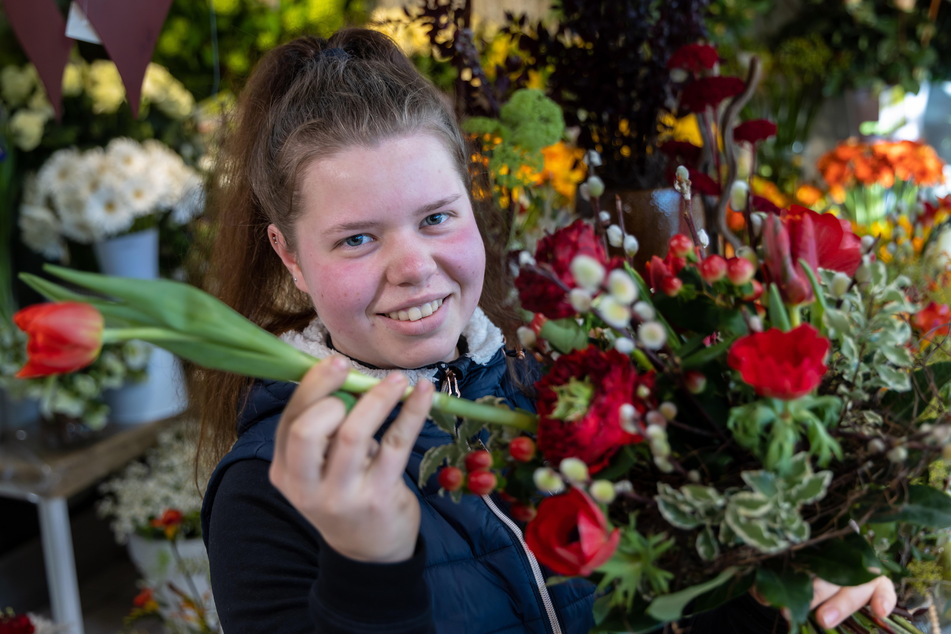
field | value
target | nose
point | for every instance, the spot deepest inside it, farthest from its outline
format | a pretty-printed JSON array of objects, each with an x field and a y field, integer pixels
[{"x": 410, "y": 262}]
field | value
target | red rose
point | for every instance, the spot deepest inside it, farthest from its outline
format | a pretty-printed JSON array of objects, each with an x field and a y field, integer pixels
[
  {"x": 706, "y": 92},
  {"x": 837, "y": 248},
  {"x": 779, "y": 364},
  {"x": 62, "y": 337},
  {"x": 754, "y": 131},
  {"x": 539, "y": 293},
  {"x": 695, "y": 58},
  {"x": 570, "y": 534},
  {"x": 579, "y": 403}
]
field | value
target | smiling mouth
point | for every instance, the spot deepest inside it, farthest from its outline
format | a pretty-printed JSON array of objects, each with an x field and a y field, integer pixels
[{"x": 416, "y": 312}]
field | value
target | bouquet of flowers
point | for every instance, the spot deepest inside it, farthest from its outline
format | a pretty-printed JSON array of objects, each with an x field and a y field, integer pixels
[
  {"x": 103, "y": 192},
  {"x": 753, "y": 419}
]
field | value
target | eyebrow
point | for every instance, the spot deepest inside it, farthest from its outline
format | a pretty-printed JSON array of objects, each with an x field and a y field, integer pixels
[{"x": 426, "y": 209}]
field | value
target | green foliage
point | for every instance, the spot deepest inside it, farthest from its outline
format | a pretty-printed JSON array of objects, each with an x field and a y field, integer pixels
[{"x": 633, "y": 570}]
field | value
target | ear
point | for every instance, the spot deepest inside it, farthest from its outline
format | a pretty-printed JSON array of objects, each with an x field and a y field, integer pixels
[{"x": 288, "y": 257}]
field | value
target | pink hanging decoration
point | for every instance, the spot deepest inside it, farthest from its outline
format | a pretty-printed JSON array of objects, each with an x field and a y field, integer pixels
[
  {"x": 41, "y": 30},
  {"x": 129, "y": 30}
]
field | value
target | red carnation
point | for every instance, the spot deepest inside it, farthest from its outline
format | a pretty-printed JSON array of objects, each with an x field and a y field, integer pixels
[
  {"x": 703, "y": 184},
  {"x": 541, "y": 294},
  {"x": 779, "y": 364},
  {"x": 570, "y": 534},
  {"x": 761, "y": 203},
  {"x": 579, "y": 403},
  {"x": 682, "y": 151},
  {"x": 709, "y": 92},
  {"x": 754, "y": 131},
  {"x": 695, "y": 58}
]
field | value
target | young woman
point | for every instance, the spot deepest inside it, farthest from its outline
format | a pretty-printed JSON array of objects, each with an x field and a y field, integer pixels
[{"x": 345, "y": 225}]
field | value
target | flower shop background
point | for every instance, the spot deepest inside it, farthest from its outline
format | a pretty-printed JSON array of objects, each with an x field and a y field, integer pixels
[{"x": 830, "y": 71}]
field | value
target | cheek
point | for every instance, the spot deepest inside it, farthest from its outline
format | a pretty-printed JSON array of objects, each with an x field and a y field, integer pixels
[{"x": 339, "y": 293}]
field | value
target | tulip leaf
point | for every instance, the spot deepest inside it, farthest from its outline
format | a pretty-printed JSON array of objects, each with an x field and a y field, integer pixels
[
  {"x": 820, "y": 306},
  {"x": 705, "y": 355},
  {"x": 778, "y": 316},
  {"x": 670, "y": 607}
]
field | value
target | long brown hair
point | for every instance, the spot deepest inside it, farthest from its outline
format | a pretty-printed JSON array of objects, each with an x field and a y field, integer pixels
[{"x": 307, "y": 100}]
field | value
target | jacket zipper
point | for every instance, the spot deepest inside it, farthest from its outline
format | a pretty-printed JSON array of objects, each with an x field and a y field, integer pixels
[
  {"x": 451, "y": 386},
  {"x": 536, "y": 569}
]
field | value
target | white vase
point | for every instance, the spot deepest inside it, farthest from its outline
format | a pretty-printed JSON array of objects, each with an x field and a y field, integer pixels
[
  {"x": 162, "y": 393},
  {"x": 163, "y": 569}
]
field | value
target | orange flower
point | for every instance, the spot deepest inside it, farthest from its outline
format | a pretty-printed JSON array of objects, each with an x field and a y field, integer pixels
[
  {"x": 170, "y": 522},
  {"x": 145, "y": 601},
  {"x": 933, "y": 321},
  {"x": 62, "y": 337},
  {"x": 563, "y": 168}
]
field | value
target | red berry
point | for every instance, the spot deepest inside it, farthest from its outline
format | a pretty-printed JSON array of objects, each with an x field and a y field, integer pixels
[
  {"x": 739, "y": 271},
  {"x": 680, "y": 245},
  {"x": 523, "y": 512},
  {"x": 522, "y": 448},
  {"x": 712, "y": 268},
  {"x": 480, "y": 459},
  {"x": 450, "y": 478},
  {"x": 670, "y": 286},
  {"x": 756, "y": 293},
  {"x": 482, "y": 481}
]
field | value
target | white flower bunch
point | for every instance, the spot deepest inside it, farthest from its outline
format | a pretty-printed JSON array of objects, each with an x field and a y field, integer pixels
[
  {"x": 146, "y": 489},
  {"x": 103, "y": 192}
]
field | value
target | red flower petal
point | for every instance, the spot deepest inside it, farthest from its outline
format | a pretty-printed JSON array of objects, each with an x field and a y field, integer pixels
[
  {"x": 694, "y": 58},
  {"x": 779, "y": 364},
  {"x": 709, "y": 92},
  {"x": 62, "y": 337},
  {"x": 754, "y": 131}
]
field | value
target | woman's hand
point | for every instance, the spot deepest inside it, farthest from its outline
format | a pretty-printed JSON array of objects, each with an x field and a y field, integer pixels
[
  {"x": 833, "y": 604},
  {"x": 331, "y": 469}
]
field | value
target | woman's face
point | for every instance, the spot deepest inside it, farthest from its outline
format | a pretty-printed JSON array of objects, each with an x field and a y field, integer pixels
[{"x": 388, "y": 250}]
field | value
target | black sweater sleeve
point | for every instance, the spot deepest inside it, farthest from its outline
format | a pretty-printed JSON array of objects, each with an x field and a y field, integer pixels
[{"x": 271, "y": 572}]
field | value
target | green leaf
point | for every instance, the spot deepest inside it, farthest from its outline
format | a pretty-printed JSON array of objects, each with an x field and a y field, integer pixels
[
  {"x": 707, "y": 546},
  {"x": 899, "y": 355},
  {"x": 778, "y": 316},
  {"x": 837, "y": 320},
  {"x": 925, "y": 506},
  {"x": 844, "y": 562},
  {"x": 565, "y": 335},
  {"x": 813, "y": 487},
  {"x": 893, "y": 378},
  {"x": 705, "y": 355},
  {"x": 754, "y": 532},
  {"x": 671, "y": 607},
  {"x": 902, "y": 404},
  {"x": 786, "y": 589},
  {"x": 433, "y": 458},
  {"x": 750, "y": 504}
]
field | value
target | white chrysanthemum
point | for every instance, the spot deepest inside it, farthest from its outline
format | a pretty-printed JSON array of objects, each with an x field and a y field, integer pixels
[
  {"x": 40, "y": 231},
  {"x": 127, "y": 157},
  {"x": 139, "y": 194},
  {"x": 61, "y": 169},
  {"x": 107, "y": 213},
  {"x": 192, "y": 202}
]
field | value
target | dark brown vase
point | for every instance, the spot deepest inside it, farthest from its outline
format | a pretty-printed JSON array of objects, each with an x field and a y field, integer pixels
[{"x": 652, "y": 216}]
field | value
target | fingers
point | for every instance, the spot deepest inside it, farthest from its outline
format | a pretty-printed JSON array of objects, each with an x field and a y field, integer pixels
[
  {"x": 400, "y": 437},
  {"x": 354, "y": 440},
  {"x": 879, "y": 593},
  {"x": 822, "y": 590},
  {"x": 308, "y": 421}
]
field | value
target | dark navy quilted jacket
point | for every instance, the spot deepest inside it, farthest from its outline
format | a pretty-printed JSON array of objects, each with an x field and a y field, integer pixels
[{"x": 471, "y": 572}]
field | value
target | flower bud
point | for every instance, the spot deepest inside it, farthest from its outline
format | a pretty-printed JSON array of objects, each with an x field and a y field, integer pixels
[
  {"x": 644, "y": 311},
  {"x": 592, "y": 158},
  {"x": 663, "y": 464},
  {"x": 595, "y": 186},
  {"x": 622, "y": 286},
  {"x": 642, "y": 392},
  {"x": 602, "y": 491},
  {"x": 604, "y": 217},
  {"x": 839, "y": 285},
  {"x": 739, "y": 193},
  {"x": 624, "y": 345},
  {"x": 574, "y": 470},
  {"x": 703, "y": 237},
  {"x": 526, "y": 337},
  {"x": 580, "y": 300},
  {"x": 695, "y": 381},
  {"x": 668, "y": 410},
  {"x": 671, "y": 285},
  {"x": 876, "y": 445},
  {"x": 897, "y": 454},
  {"x": 694, "y": 476},
  {"x": 631, "y": 245},
  {"x": 615, "y": 235},
  {"x": 655, "y": 419},
  {"x": 587, "y": 271},
  {"x": 867, "y": 243},
  {"x": 748, "y": 253},
  {"x": 682, "y": 174},
  {"x": 526, "y": 259},
  {"x": 547, "y": 480},
  {"x": 863, "y": 274},
  {"x": 652, "y": 335},
  {"x": 614, "y": 313},
  {"x": 680, "y": 245}
]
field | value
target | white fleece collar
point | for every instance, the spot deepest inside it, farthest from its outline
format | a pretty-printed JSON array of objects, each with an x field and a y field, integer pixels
[{"x": 482, "y": 337}]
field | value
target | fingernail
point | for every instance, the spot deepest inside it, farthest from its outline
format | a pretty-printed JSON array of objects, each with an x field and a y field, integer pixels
[
  {"x": 830, "y": 617},
  {"x": 395, "y": 378},
  {"x": 338, "y": 363}
]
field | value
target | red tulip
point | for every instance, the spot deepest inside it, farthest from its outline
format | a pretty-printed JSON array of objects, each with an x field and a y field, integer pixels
[
  {"x": 570, "y": 534},
  {"x": 62, "y": 337},
  {"x": 782, "y": 261},
  {"x": 836, "y": 247}
]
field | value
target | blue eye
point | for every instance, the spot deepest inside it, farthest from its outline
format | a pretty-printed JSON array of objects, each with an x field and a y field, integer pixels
[
  {"x": 435, "y": 219},
  {"x": 357, "y": 240}
]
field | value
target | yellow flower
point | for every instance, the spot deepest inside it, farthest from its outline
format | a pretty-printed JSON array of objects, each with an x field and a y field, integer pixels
[
  {"x": 563, "y": 168},
  {"x": 72, "y": 80},
  {"x": 17, "y": 84},
  {"x": 26, "y": 127},
  {"x": 687, "y": 129},
  {"x": 104, "y": 87}
]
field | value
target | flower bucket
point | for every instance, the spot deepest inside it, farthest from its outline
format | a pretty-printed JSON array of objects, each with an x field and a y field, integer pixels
[
  {"x": 166, "y": 571},
  {"x": 653, "y": 216},
  {"x": 162, "y": 393}
]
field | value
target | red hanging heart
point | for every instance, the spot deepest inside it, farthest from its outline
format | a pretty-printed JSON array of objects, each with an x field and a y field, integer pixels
[
  {"x": 129, "y": 30},
  {"x": 41, "y": 30}
]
